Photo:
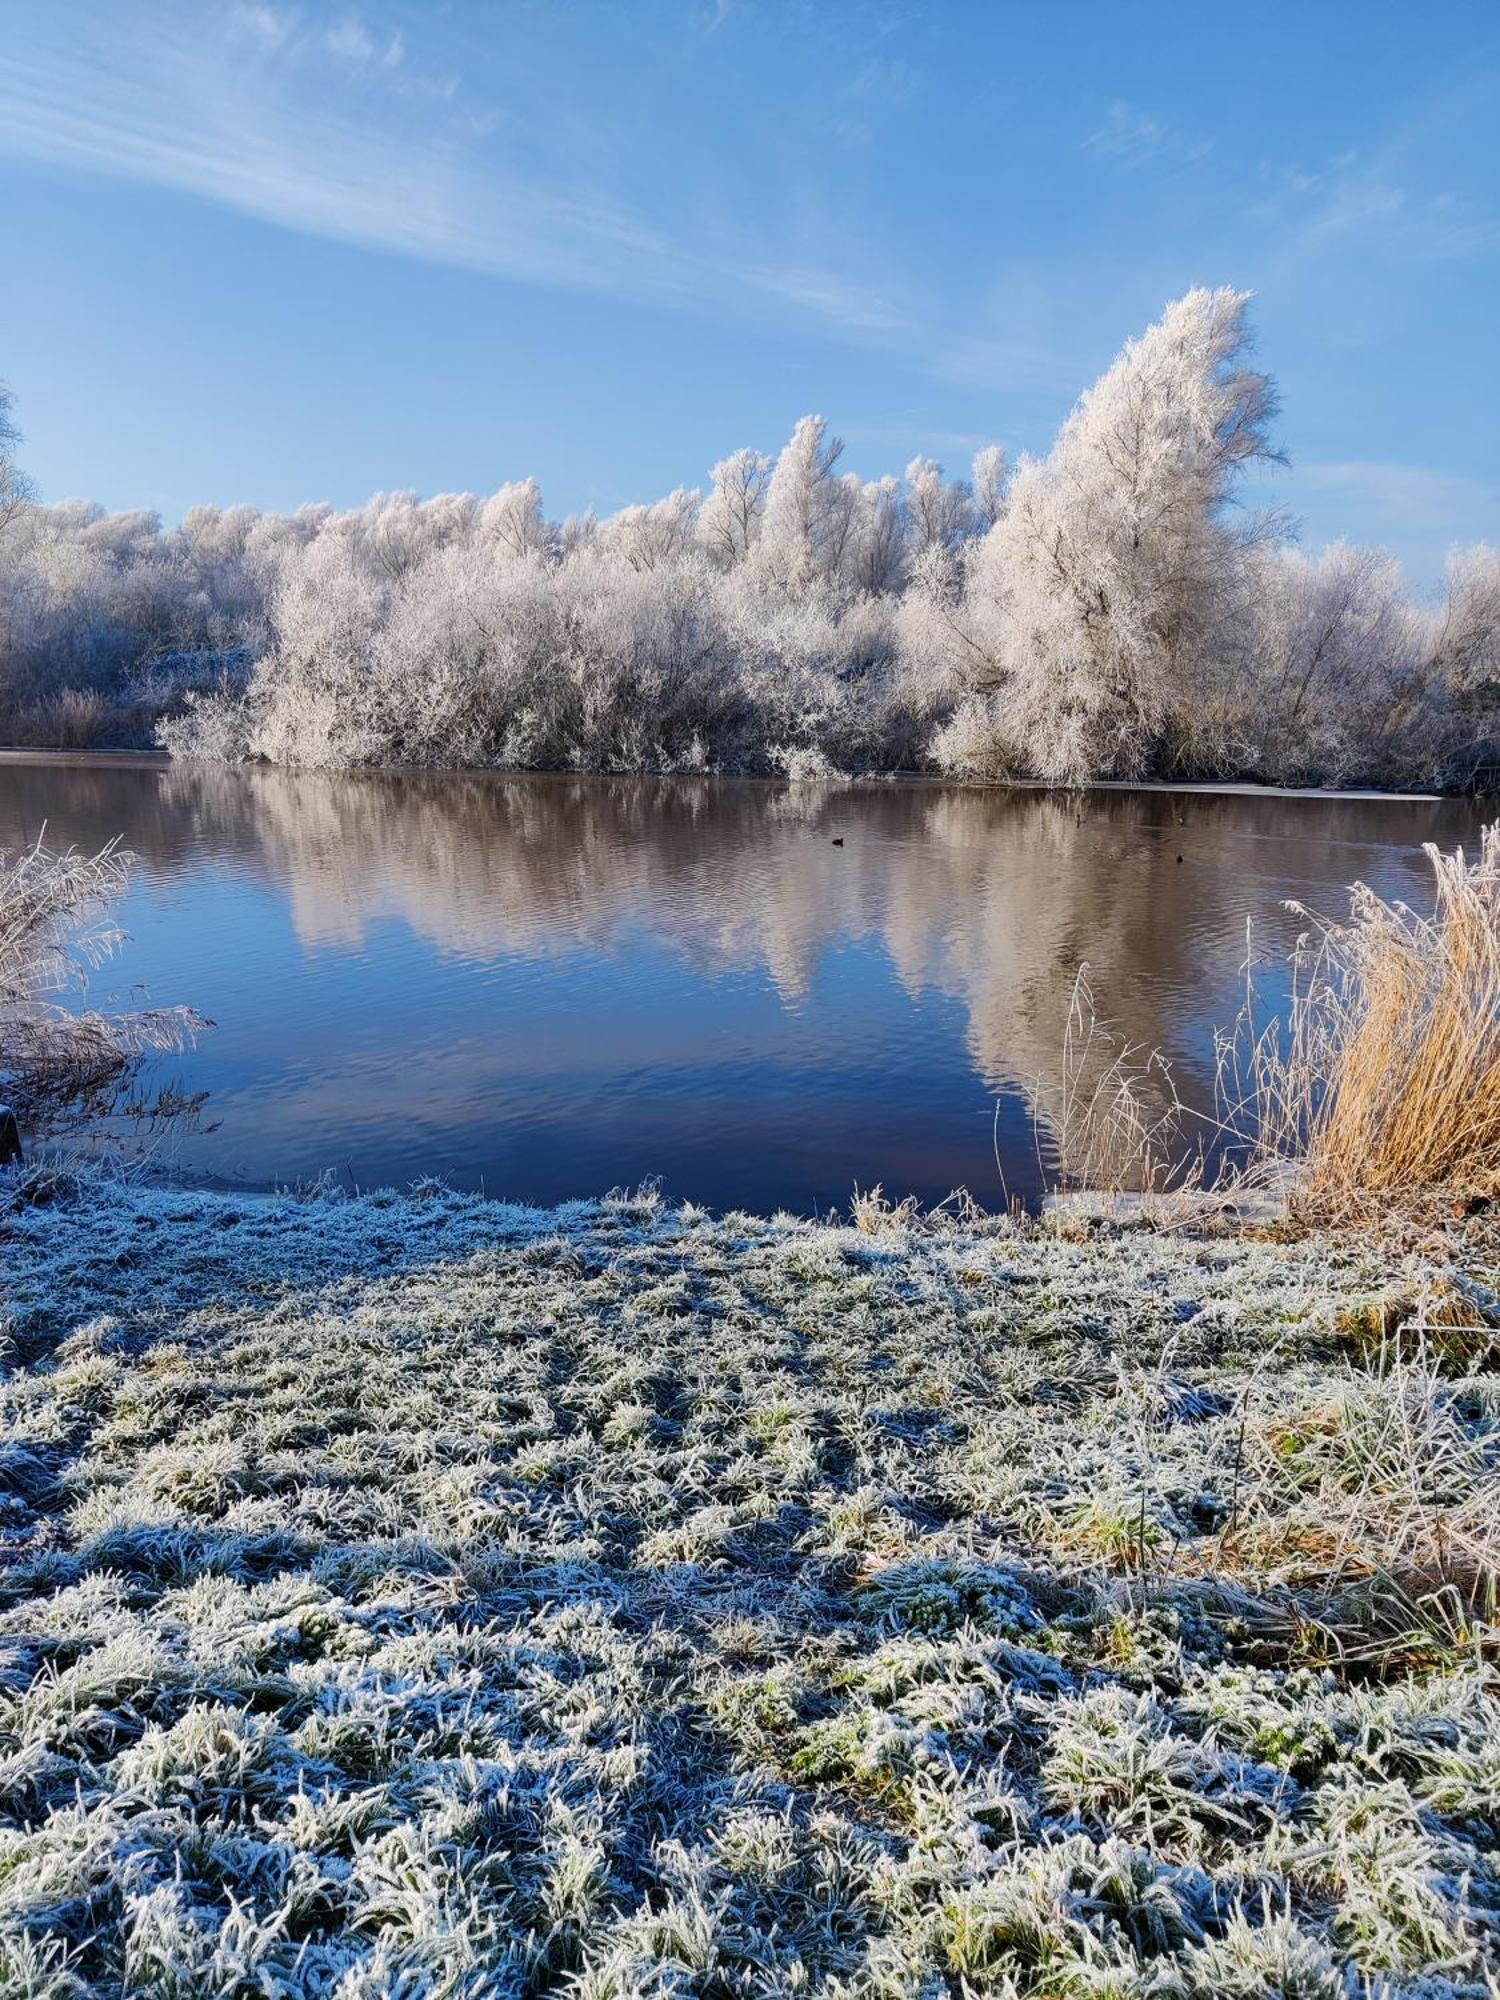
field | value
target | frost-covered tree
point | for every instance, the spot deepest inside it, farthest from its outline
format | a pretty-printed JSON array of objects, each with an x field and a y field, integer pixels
[
  {"x": 807, "y": 509},
  {"x": 942, "y": 514},
  {"x": 1108, "y": 557},
  {"x": 1466, "y": 645},
  {"x": 15, "y": 489},
  {"x": 730, "y": 520},
  {"x": 514, "y": 521},
  {"x": 991, "y": 477},
  {"x": 645, "y": 537},
  {"x": 1329, "y": 635},
  {"x": 879, "y": 549},
  {"x": 329, "y": 611},
  {"x": 578, "y": 532}
]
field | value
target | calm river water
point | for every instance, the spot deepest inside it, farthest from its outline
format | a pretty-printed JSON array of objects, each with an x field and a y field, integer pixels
[{"x": 550, "y": 986}]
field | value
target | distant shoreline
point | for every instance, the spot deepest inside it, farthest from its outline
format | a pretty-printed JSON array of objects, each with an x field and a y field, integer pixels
[{"x": 104, "y": 759}]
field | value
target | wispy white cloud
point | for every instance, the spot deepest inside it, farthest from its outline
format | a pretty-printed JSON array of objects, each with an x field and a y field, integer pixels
[
  {"x": 959, "y": 446},
  {"x": 822, "y": 292},
  {"x": 1355, "y": 204},
  {"x": 1386, "y": 202},
  {"x": 330, "y": 126},
  {"x": 885, "y": 82},
  {"x": 1021, "y": 359},
  {"x": 349, "y": 41},
  {"x": 1422, "y": 512},
  {"x": 1130, "y": 137},
  {"x": 1419, "y": 500}
]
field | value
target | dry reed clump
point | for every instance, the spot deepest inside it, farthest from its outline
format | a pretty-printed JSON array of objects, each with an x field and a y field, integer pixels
[
  {"x": 417, "y": 1595},
  {"x": 1384, "y": 1084},
  {"x": 1114, "y": 1120},
  {"x": 1377, "y": 1091},
  {"x": 54, "y": 930}
]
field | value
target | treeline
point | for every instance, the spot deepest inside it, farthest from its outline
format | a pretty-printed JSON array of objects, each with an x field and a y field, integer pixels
[{"x": 1106, "y": 611}]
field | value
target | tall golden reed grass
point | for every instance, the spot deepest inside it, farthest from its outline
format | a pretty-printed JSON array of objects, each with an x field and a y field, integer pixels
[
  {"x": 1384, "y": 1081},
  {"x": 1379, "y": 1085}
]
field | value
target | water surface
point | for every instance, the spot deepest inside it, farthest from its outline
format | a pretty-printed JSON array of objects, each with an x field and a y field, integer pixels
[{"x": 549, "y": 986}]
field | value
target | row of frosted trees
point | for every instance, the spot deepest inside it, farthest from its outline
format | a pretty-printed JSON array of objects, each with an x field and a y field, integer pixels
[{"x": 1106, "y": 611}]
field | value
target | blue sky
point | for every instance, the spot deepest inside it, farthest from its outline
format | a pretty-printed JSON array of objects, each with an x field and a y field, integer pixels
[{"x": 278, "y": 253}]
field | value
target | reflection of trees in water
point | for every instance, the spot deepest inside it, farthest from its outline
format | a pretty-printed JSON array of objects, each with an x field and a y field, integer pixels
[{"x": 991, "y": 897}]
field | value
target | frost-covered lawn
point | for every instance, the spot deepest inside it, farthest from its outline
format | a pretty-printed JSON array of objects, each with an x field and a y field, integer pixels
[{"x": 422, "y": 1596}]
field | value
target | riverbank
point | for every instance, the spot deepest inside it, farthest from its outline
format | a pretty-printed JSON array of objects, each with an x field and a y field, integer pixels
[
  {"x": 434, "y": 1595},
  {"x": 102, "y": 757}
]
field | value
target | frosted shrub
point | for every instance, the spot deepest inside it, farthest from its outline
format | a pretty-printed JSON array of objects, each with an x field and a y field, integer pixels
[
  {"x": 211, "y": 729},
  {"x": 1332, "y": 672},
  {"x": 55, "y": 929},
  {"x": 805, "y": 766}
]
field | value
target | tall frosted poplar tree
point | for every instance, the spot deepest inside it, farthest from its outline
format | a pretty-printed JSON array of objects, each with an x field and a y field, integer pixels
[{"x": 1109, "y": 559}]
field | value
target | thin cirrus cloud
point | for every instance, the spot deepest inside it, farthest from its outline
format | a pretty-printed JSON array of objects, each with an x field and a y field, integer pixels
[
  {"x": 1130, "y": 137},
  {"x": 1421, "y": 510},
  {"x": 1414, "y": 497},
  {"x": 1354, "y": 205},
  {"x": 339, "y": 132},
  {"x": 1397, "y": 200}
]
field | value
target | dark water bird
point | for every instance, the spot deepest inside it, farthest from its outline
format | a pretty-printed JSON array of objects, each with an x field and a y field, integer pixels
[
  {"x": 838, "y": 840},
  {"x": 1179, "y": 859}
]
